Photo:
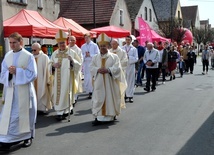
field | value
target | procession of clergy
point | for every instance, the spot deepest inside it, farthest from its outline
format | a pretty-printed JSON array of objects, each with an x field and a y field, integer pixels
[{"x": 34, "y": 83}]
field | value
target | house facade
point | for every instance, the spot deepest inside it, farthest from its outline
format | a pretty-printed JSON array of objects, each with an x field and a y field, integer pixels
[
  {"x": 191, "y": 18},
  {"x": 47, "y": 8},
  {"x": 147, "y": 13}
]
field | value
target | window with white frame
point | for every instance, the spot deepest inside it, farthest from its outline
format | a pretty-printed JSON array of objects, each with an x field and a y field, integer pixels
[
  {"x": 40, "y": 4},
  {"x": 121, "y": 17}
]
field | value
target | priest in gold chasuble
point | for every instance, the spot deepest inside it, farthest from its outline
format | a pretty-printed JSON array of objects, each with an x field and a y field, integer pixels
[
  {"x": 65, "y": 66},
  {"x": 108, "y": 82}
]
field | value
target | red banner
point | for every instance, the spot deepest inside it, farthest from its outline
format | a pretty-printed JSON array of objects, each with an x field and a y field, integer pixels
[{"x": 145, "y": 31}]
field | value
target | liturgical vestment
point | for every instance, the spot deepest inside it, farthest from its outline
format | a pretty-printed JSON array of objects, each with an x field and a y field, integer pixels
[
  {"x": 18, "y": 115},
  {"x": 42, "y": 82},
  {"x": 109, "y": 88},
  {"x": 65, "y": 79}
]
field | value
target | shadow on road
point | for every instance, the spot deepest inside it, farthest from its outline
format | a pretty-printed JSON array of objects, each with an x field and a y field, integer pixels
[
  {"x": 82, "y": 112},
  {"x": 45, "y": 121},
  {"x": 80, "y": 128},
  {"x": 202, "y": 142}
]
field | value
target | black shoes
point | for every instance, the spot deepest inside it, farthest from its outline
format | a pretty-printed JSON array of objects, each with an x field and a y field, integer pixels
[
  {"x": 60, "y": 117},
  {"x": 96, "y": 122},
  {"x": 27, "y": 142},
  {"x": 131, "y": 100},
  {"x": 147, "y": 89},
  {"x": 174, "y": 77},
  {"x": 89, "y": 96},
  {"x": 170, "y": 78}
]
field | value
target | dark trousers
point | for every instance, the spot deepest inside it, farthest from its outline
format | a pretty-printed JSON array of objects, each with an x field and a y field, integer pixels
[
  {"x": 191, "y": 65},
  {"x": 205, "y": 64},
  {"x": 181, "y": 71},
  {"x": 186, "y": 65},
  {"x": 143, "y": 71},
  {"x": 151, "y": 73},
  {"x": 163, "y": 71}
]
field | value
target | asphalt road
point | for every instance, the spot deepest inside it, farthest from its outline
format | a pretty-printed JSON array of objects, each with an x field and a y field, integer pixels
[{"x": 176, "y": 119}]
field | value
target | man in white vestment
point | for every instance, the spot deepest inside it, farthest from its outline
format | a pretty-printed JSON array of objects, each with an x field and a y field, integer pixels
[
  {"x": 130, "y": 70},
  {"x": 42, "y": 81},
  {"x": 18, "y": 115},
  {"x": 120, "y": 53},
  {"x": 89, "y": 50},
  {"x": 109, "y": 83},
  {"x": 75, "y": 48},
  {"x": 65, "y": 66}
]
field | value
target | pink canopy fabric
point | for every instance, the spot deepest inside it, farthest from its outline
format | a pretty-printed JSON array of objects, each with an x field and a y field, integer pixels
[
  {"x": 112, "y": 31},
  {"x": 30, "y": 24},
  {"x": 76, "y": 30},
  {"x": 156, "y": 37}
]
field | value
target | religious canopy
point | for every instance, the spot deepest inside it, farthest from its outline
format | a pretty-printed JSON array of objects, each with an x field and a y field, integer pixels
[
  {"x": 30, "y": 24},
  {"x": 76, "y": 30},
  {"x": 112, "y": 31}
]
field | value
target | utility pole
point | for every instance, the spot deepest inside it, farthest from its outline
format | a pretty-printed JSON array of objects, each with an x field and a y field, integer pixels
[
  {"x": 171, "y": 24},
  {"x": 94, "y": 18},
  {"x": 1, "y": 40},
  {"x": 1, "y": 33}
]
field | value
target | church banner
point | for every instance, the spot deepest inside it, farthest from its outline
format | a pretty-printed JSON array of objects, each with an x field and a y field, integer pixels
[{"x": 145, "y": 31}]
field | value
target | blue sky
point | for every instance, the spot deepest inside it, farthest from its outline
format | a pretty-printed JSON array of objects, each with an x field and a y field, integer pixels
[{"x": 206, "y": 8}]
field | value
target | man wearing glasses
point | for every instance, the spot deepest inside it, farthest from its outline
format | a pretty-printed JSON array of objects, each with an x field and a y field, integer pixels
[
  {"x": 75, "y": 48},
  {"x": 42, "y": 82}
]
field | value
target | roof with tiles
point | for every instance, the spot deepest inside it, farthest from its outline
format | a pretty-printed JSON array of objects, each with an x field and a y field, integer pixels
[
  {"x": 133, "y": 7},
  {"x": 163, "y": 9},
  {"x": 189, "y": 13},
  {"x": 81, "y": 11}
]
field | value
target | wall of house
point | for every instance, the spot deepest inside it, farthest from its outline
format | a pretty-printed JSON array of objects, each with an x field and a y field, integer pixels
[
  {"x": 178, "y": 9},
  {"x": 115, "y": 18},
  {"x": 153, "y": 24},
  {"x": 197, "y": 20},
  {"x": 50, "y": 10}
]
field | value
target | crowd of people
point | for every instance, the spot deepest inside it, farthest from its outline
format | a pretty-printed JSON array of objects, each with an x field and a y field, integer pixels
[{"x": 33, "y": 83}]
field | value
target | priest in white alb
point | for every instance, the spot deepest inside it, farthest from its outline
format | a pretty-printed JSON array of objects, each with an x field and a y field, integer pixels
[
  {"x": 42, "y": 81},
  {"x": 75, "y": 48},
  {"x": 65, "y": 66},
  {"x": 108, "y": 81},
  {"x": 18, "y": 115},
  {"x": 120, "y": 53}
]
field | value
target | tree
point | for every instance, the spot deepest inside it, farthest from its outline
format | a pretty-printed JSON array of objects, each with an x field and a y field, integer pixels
[
  {"x": 178, "y": 35},
  {"x": 168, "y": 27},
  {"x": 203, "y": 35}
]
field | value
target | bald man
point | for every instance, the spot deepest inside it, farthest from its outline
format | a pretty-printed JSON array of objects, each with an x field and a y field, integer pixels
[
  {"x": 43, "y": 80},
  {"x": 75, "y": 48},
  {"x": 120, "y": 53}
]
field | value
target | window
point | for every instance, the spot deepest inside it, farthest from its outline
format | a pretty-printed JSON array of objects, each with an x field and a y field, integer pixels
[
  {"x": 121, "y": 18},
  {"x": 40, "y": 4},
  {"x": 179, "y": 14},
  {"x": 150, "y": 15},
  {"x": 18, "y": 1},
  {"x": 145, "y": 13}
]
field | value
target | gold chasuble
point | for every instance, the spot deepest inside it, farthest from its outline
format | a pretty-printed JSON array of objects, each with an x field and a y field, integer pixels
[
  {"x": 65, "y": 78},
  {"x": 60, "y": 56},
  {"x": 109, "y": 88},
  {"x": 104, "y": 104}
]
